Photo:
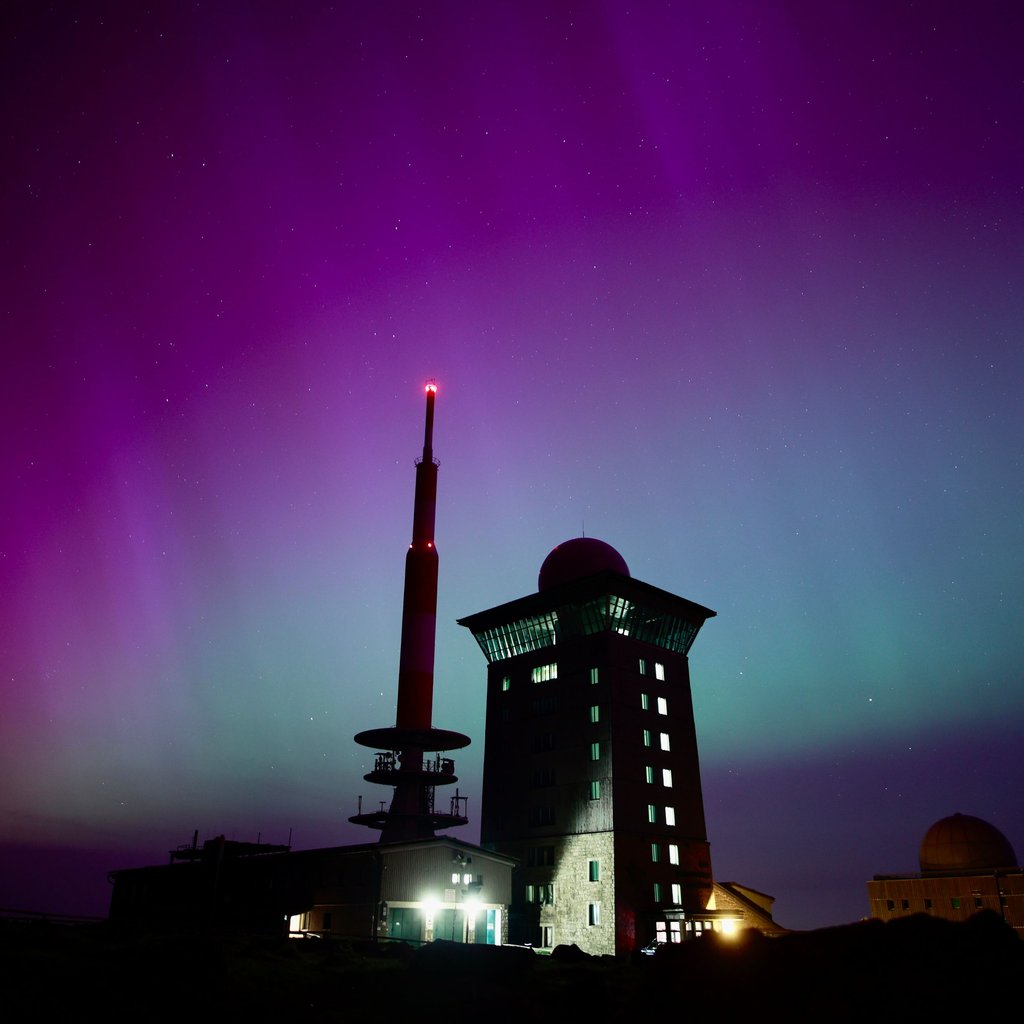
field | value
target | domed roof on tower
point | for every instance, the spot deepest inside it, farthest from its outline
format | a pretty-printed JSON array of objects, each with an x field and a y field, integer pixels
[{"x": 579, "y": 557}]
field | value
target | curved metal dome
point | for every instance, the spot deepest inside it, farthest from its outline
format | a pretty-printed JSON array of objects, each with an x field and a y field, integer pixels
[
  {"x": 579, "y": 557},
  {"x": 964, "y": 843}
]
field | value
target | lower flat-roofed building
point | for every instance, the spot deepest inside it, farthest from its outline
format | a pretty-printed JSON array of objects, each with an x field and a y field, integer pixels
[
  {"x": 435, "y": 888},
  {"x": 967, "y": 865}
]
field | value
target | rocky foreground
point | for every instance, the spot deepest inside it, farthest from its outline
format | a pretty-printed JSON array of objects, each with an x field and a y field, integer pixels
[{"x": 905, "y": 970}]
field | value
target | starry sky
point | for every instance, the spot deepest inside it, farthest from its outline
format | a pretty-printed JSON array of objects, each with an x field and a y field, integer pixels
[{"x": 734, "y": 286}]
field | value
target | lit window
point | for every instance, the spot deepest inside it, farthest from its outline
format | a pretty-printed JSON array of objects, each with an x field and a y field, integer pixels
[
  {"x": 595, "y": 789},
  {"x": 676, "y": 932},
  {"x": 954, "y": 902},
  {"x": 643, "y": 666},
  {"x": 647, "y": 737},
  {"x": 673, "y": 853},
  {"x": 544, "y": 673},
  {"x": 595, "y": 713},
  {"x": 659, "y": 931},
  {"x": 665, "y": 745},
  {"x": 662, "y": 706},
  {"x": 659, "y": 671},
  {"x": 670, "y": 815},
  {"x": 595, "y": 751},
  {"x": 466, "y": 879},
  {"x": 594, "y": 868},
  {"x": 677, "y": 894},
  {"x": 666, "y": 777},
  {"x": 506, "y": 682},
  {"x": 455, "y": 878},
  {"x": 542, "y": 894},
  {"x": 649, "y": 774},
  {"x": 547, "y": 936},
  {"x": 593, "y": 914},
  {"x": 652, "y": 812},
  {"x": 657, "y": 892},
  {"x": 655, "y": 853},
  {"x": 593, "y": 677}
]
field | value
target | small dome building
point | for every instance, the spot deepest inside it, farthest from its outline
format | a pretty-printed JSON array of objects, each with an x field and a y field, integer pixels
[
  {"x": 964, "y": 843},
  {"x": 967, "y": 865}
]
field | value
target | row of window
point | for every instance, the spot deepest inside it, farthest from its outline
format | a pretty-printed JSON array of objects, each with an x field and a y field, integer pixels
[
  {"x": 545, "y": 673},
  {"x": 669, "y": 815},
  {"x": 538, "y": 817},
  {"x": 666, "y": 776},
  {"x": 676, "y": 890},
  {"x": 543, "y": 776},
  {"x": 645, "y": 704},
  {"x": 542, "y": 741},
  {"x": 955, "y": 903},
  {"x": 594, "y": 909},
  {"x": 663, "y": 740},
  {"x": 672, "y": 931},
  {"x": 548, "y": 705},
  {"x": 543, "y": 894},
  {"x": 673, "y": 853},
  {"x": 659, "y": 669},
  {"x": 544, "y": 856}
]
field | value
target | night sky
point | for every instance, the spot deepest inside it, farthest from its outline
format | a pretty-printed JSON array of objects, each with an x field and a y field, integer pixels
[{"x": 733, "y": 286}]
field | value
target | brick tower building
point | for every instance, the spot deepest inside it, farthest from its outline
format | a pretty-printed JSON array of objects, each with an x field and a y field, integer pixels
[{"x": 591, "y": 774}]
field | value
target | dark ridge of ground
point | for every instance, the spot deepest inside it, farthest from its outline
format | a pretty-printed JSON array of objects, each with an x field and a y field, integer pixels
[{"x": 914, "y": 969}]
